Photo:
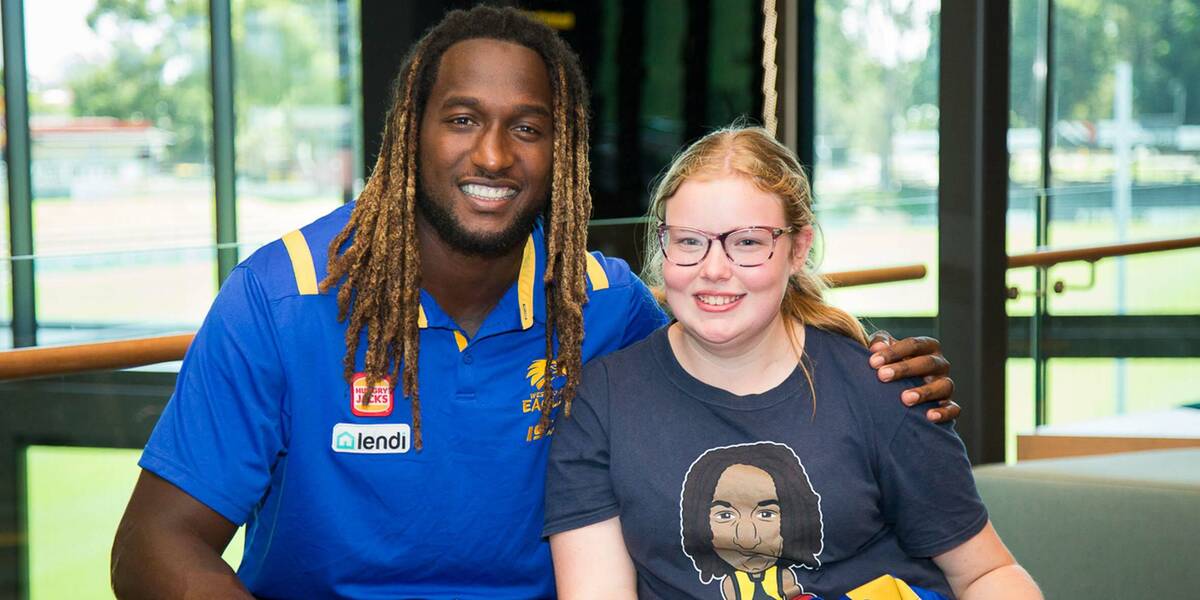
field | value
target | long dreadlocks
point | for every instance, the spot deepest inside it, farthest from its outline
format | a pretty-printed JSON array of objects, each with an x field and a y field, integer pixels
[{"x": 375, "y": 260}]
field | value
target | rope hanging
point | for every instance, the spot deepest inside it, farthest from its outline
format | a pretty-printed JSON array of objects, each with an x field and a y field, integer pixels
[{"x": 770, "y": 71}]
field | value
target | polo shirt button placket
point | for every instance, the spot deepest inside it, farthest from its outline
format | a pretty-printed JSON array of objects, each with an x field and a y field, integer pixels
[{"x": 467, "y": 358}]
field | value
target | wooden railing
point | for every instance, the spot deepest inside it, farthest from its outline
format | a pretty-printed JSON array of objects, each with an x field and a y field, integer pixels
[
  {"x": 1046, "y": 258},
  {"x": 870, "y": 276},
  {"x": 99, "y": 356},
  {"x": 125, "y": 354}
]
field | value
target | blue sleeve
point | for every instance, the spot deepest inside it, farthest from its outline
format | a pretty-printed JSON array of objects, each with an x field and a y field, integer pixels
[
  {"x": 224, "y": 426},
  {"x": 927, "y": 487},
  {"x": 645, "y": 314},
  {"x": 579, "y": 490}
]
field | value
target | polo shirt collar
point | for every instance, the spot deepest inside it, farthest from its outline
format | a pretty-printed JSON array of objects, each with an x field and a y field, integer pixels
[{"x": 520, "y": 307}]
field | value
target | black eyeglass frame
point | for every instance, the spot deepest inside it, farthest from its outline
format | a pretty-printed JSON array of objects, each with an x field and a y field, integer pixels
[{"x": 721, "y": 237}]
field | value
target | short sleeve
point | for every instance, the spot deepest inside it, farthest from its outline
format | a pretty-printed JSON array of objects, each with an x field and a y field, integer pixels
[
  {"x": 645, "y": 314},
  {"x": 579, "y": 490},
  {"x": 928, "y": 490},
  {"x": 223, "y": 428}
]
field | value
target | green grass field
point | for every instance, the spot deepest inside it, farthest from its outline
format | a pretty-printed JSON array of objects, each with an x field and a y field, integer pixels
[{"x": 70, "y": 539}]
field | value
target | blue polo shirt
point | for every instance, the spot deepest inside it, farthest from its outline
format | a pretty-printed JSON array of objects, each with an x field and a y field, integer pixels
[{"x": 264, "y": 429}]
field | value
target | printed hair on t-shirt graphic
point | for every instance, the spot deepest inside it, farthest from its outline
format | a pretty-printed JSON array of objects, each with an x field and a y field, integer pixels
[{"x": 748, "y": 515}]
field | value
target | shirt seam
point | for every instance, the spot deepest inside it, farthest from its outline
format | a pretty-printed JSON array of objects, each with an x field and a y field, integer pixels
[
  {"x": 589, "y": 518},
  {"x": 176, "y": 474},
  {"x": 950, "y": 541}
]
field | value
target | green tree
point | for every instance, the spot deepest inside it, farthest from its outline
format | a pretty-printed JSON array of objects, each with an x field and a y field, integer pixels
[
  {"x": 286, "y": 67},
  {"x": 1159, "y": 40},
  {"x": 156, "y": 71},
  {"x": 876, "y": 58},
  {"x": 285, "y": 59}
]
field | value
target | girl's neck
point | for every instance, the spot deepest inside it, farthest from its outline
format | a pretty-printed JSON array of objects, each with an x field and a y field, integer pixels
[{"x": 748, "y": 367}]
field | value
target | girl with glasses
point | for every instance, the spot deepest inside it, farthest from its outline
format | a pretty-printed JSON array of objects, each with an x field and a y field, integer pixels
[{"x": 747, "y": 450}]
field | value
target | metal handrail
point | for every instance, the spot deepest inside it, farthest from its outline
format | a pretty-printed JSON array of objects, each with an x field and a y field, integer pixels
[{"x": 125, "y": 354}]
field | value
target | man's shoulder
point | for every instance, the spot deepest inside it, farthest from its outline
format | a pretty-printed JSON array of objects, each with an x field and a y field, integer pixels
[
  {"x": 641, "y": 354},
  {"x": 605, "y": 273},
  {"x": 296, "y": 263},
  {"x": 618, "y": 302}
]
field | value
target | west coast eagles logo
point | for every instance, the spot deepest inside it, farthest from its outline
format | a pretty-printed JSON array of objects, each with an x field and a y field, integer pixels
[{"x": 537, "y": 373}]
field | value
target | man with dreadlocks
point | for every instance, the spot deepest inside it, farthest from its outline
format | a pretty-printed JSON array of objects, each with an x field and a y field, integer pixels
[{"x": 467, "y": 244}]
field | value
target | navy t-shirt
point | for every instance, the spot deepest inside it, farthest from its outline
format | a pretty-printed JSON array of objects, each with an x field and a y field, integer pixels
[{"x": 770, "y": 490}]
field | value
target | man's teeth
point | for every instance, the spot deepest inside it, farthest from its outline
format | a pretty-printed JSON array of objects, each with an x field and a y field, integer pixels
[
  {"x": 718, "y": 300},
  {"x": 488, "y": 192}
]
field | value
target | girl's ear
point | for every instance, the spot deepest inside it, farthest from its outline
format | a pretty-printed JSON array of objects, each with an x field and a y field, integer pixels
[{"x": 802, "y": 241}]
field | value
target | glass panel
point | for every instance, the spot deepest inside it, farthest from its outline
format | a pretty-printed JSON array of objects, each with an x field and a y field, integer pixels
[
  {"x": 5, "y": 248},
  {"x": 662, "y": 77},
  {"x": 1086, "y": 389},
  {"x": 1126, "y": 155},
  {"x": 69, "y": 540},
  {"x": 1019, "y": 414},
  {"x": 1125, "y": 167},
  {"x": 877, "y": 146},
  {"x": 120, "y": 120},
  {"x": 1138, "y": 284},
  {"x": 296, "y": 124},
  {"x": 1027, "y": 72}
]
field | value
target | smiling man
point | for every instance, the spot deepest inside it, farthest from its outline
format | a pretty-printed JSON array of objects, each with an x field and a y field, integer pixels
[{"x": 371, "y": 395}]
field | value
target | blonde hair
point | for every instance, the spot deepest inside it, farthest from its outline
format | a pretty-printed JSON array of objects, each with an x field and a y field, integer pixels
[{"x": 752, "y": 152}]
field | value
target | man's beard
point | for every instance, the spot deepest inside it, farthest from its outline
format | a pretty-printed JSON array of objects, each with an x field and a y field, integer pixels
[{"x": 451, "y": 231}]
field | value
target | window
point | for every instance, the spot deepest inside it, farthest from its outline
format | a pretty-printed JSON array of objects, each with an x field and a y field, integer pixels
[
  {"x": 876, "y": 172},
  {"x": 5, "y": 250},
  {"x": 120, "y": 122},
  {"x": 296, "y": 142},
  {"x": 1124, "y": 166},
  {"x": 70, "y": 541}
]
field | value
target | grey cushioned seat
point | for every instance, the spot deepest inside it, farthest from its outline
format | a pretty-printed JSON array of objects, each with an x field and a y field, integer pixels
[{"x": 1114, "y": 526}]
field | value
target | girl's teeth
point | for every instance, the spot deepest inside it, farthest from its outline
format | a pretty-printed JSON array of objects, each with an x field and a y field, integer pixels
[{"x": 718, "y": 300}]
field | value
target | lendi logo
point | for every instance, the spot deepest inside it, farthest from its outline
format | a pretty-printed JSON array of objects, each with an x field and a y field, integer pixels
[{"x": 388, "y": 438}]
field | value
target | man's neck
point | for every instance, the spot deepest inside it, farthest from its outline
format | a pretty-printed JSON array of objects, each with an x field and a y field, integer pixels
[{"x": 466, "y": 286}]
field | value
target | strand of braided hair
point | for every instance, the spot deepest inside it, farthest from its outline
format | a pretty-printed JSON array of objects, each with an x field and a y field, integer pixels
[{"x": 374, "y": 261}]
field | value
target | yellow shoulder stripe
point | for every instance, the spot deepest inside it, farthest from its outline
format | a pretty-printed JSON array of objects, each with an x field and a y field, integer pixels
[
  {"x": 302, "y": 262},
  {"x": 525, "y": 283},
  {"x": 596, "y": 273}
]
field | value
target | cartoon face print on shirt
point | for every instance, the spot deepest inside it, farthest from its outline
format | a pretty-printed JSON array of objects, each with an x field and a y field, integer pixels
[{"x": 749, "y": 515}]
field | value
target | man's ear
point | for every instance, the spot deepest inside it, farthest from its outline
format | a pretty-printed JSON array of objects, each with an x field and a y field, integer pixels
[{"x": 802, "y": 241}]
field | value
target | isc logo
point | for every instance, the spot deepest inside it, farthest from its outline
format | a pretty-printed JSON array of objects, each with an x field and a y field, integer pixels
[{"x": 388, "y": 438}]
